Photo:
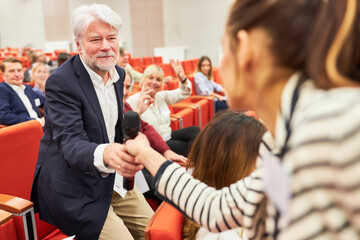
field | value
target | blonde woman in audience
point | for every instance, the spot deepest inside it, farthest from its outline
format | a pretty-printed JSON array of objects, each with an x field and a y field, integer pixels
[
  {"x": 205, "y": 85},
  {"x": 39, "y": 74},
  {"x": 296, "y": 63},
  {"x": 157, "y": 113},
  {"x": 229, "y": 139}
]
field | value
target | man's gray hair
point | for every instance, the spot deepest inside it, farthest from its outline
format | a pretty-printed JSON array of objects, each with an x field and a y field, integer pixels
[{"x": 86, "y": 14}]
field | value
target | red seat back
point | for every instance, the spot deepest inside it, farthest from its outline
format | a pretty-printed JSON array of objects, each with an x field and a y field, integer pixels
[
  {"x": 158, "y": 60},
  {"x": 18, "y": 156}
]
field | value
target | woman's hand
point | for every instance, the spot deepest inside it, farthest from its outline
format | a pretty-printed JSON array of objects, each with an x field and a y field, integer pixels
[
  {"x": 178, "y": 69},
  {"x": 134, "y": 146},
  {"x": 174, "y": 157},
  {"x": 144, "y": 154},
  {"x": 144, "y": 100}
]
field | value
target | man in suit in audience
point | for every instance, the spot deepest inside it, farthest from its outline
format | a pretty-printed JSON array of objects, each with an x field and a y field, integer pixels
[
  {"x": 18, "y": 102},
  {"x": 81, "y": 154}
]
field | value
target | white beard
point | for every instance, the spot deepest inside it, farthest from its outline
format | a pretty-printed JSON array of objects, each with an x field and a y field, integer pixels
[{"x": 97, "y": 65}]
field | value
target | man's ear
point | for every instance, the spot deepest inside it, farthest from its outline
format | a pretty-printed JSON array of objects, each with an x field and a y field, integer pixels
[
  {"x": 78, "y": 46},
  {"x": 243, "y": 52}
]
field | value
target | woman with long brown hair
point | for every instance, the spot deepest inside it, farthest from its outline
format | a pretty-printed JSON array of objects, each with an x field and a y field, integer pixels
[
  {"x": 296, "y": 63},
  {"x": 229, "y": 139},
  {"x": 206, "y": 86}
]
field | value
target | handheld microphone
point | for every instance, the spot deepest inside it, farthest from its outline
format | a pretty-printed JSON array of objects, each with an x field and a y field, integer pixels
[{"x": 131, "y": 125}]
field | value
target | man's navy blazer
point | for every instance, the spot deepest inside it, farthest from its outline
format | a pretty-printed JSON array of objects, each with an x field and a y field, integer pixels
[
  {"x": 67, "y": 190},
  {"x": 12, "y": 109}
]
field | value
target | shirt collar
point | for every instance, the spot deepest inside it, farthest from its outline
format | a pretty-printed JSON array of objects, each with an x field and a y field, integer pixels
[
  {"x": 284, "y": 113},
  {"x": 96, "y": 79},
  {"x": 16, "y": 88}
]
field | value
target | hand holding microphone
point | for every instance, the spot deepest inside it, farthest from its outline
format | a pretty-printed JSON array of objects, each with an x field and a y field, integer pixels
[{"x": 131, "y": 126}]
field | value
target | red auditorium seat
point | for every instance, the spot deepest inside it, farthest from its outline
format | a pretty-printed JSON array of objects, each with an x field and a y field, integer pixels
[
  {"x": 147, "y": 61},
  {"x": 166, "y": 224},
  {"x": 194, "y": 63},
  {"x": 203, "y": 105},
  {"x": 210, "y": 99},
  {"x": 7, "y": 226},
  {"x": 158, "y": 60},
  {"x": 18, "y": 160},
  {"x": 136, "y": 63},
  {"x": 167, "y": 69},
  {"x": 188, "y": 67},
  {"x": 217, "y": 77},
  {"x": 181, "y": 118}
]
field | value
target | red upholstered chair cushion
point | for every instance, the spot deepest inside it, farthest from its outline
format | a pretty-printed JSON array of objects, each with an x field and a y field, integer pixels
[
  {"x": 7, "y": 226},
  {"x": 166, "y": 224}
]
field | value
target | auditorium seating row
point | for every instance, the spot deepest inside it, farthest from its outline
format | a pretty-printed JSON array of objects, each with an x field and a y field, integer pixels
[{"x": 17, "y": 218}]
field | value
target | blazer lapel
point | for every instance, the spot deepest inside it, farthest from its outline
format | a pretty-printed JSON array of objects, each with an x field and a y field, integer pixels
[
  {"x": 119, "y": 94},
  {"x": 89, "y": 91}
]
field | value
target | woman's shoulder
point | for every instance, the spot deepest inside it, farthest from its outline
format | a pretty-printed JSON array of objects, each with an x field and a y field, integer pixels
[
  {"x": 199, "y": 75},
  {"x": 328, "y": 114}
]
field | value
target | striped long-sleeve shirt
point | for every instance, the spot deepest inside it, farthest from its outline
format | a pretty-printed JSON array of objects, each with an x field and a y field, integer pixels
[{"x": 324, "y": 163}]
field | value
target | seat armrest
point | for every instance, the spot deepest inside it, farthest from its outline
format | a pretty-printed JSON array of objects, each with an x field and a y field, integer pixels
[
  {"x": 185, "y": 105},
  {"x": 202, "y": 97},
  {"x": 5, "y": 216},
  {"x": 14, "y": 204}
]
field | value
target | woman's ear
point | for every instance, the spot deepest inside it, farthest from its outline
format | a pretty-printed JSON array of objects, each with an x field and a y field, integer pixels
[{"x": 243, "y": 49}]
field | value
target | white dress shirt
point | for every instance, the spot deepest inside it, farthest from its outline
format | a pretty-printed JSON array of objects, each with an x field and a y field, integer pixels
[{"x": 109, "y": 107}]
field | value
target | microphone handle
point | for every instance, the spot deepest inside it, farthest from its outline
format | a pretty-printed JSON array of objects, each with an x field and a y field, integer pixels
[{"x": 128, "y": 183}]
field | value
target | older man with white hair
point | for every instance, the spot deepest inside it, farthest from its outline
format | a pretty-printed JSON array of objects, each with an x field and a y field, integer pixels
[{"x": 82, "y": 151}]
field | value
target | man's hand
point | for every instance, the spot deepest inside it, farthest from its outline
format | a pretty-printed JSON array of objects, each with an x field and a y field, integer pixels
[
  {"x": 178, "y": 69},
  {"x": 116, "y": 157},
  {"x": 174, "y": 157}
]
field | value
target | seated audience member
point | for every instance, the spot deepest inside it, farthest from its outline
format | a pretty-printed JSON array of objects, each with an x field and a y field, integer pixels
[
  {"x": 124, "y": 63},
  {"x": 39, "y": 75},
  {"x": 37, "y": 57},
  {"x": 62, "y": 57},
  {"x": 155, "y": 139},
  {"x": 223, "y": 153},
  {"x": 158, "y": 114},
  {"x": 205, "y": 85},
  {"x": 18, "y": 102}
]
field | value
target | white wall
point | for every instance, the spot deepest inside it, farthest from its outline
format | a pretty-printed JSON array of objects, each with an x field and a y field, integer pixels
[
  {"x": 21, "y": 23},
  {"x": 196, "y": 24}
]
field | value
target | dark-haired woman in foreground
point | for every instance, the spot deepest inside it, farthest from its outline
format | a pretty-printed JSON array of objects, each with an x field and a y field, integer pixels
[
  {"x": 230, "y": 139},
  {"x": 295, "y": 62}
]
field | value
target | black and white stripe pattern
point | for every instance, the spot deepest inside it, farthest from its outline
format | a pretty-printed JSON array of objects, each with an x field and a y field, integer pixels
[{"x": 323, "y": 157}]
